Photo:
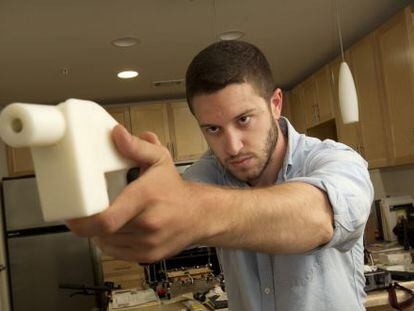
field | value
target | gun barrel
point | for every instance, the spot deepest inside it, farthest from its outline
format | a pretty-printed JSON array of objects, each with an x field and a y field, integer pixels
[{"x": 31, "y": 125}]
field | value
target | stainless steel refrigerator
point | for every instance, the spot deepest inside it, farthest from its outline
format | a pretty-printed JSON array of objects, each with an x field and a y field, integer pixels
[{"x": 43, "y": 255}]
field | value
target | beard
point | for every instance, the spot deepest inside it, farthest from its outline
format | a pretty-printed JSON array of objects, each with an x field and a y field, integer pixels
[{"x": 263, "y": 158}]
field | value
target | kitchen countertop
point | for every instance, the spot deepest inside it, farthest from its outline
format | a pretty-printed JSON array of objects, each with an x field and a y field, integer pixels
[{"x": 380, "y": 297}]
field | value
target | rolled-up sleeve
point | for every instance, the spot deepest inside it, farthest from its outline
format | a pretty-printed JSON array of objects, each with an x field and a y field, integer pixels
[{"x": 343, "y": 175}]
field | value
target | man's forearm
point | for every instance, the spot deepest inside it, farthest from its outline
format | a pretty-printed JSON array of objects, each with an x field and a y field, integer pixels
[{"x": 286, "y": 218}]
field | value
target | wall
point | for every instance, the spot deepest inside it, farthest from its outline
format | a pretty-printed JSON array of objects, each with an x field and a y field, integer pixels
[
  {"x": 394, "y": 181},
  {"x": 398, "y": 181}
]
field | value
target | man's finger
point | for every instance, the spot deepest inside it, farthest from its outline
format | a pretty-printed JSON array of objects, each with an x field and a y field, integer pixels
[
  {"x": 150, "y": 137},
  {"x": 121, "y": 211},
  {"x": 136, "y": 149}
]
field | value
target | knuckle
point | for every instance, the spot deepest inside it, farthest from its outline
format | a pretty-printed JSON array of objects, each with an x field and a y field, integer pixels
[
  {"x": 78, "y": 228},
  {"x": 152, "y": 223},
  {"x": 151, "y": 257},
  {"x": 165, "y": 152},
  {"x": 107, "y": 225},
  {"x": 151, "y": 243}
]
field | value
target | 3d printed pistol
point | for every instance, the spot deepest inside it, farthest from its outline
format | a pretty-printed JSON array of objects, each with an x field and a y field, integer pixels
[{"x": 72, "y": 151}]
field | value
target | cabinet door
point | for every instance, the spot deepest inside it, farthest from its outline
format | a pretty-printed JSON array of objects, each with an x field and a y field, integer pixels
[
  {"x": 324, "y": 93},
  {"x": 151, "y": 117},
  {"x": 371, "y": 106},
  {"x": 396, "y": 64},
  {"x": 189, "y": 143},
  {"x": 286, "y": 106},
  {"x": 308, "y": 93},
  {"x": 19, "y": 161},
  {"x": 122, "y": 115},
  {"x": 348, "y": 134},
  {"x": 297, "y": 110}
]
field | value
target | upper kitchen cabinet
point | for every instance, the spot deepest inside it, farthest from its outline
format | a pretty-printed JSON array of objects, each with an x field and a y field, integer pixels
[
  {"x": 297, "y": 111},
  {"x": 324, "y": 96},
  {"x": 121, "y": 114},
  {"x": 174, "y": 125},
  {"x": 316, "y": 95},
  {"x": 19, "y": 161},
  {"x": 151, "y": 117},
  {"x": 286, "y": 105},
  {"x": 373, "y": 134},
  {"x": 395, "y": 43},
  {"x": 188, "y": 140},
  {"x": 307, "y": 97}
]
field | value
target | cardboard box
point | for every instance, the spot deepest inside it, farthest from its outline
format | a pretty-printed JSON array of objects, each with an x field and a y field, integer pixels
[
  {"x": 112, "y": 268},
  {"x": 105, "y": 257},
  {"x": 127, "y": 281}
]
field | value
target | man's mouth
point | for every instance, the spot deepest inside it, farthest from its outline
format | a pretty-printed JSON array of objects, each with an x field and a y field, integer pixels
[{"x": 240, "y": 161}]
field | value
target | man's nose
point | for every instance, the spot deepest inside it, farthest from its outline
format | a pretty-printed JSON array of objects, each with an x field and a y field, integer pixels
[{"x": 233, "y": 143}]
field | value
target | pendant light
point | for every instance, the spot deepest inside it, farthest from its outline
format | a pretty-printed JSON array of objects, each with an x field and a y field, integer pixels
[{"x": 348, "y": 99}]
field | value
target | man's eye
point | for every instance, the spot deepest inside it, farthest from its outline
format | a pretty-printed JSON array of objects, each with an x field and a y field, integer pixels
[
  {"x": 244, "y": 120},
  {"x": 212, "y": 130}
]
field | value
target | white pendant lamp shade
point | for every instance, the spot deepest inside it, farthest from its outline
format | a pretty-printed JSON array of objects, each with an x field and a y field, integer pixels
[{"x": 348, "y": 99}]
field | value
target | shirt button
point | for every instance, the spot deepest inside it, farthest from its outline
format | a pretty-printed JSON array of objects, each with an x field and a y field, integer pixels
[{"x": 267, "y": 290}]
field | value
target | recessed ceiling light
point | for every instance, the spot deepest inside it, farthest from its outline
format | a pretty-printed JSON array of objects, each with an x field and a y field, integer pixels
[
  {"x": 127, "y": 74},
  {"x": 231, "y": 35},
  {"x": 125, "y": 42}
]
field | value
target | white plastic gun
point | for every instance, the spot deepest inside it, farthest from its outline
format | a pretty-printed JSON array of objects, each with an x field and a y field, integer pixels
[{"x": 72, "y": 151}]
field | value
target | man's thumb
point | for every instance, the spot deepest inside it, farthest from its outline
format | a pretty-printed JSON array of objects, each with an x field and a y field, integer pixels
[{"x": 145, "y": 151}]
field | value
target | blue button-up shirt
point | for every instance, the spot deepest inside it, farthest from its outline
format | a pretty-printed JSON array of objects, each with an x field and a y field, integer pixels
[{"x": 327, "y": 278}]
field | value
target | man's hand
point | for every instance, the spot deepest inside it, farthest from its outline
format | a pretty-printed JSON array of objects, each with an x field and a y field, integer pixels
[{"x": 153, "y": 217}]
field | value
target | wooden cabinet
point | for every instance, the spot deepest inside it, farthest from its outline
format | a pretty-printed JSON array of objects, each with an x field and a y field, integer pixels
[
  {"x": 188, "y": 140},
  {"x": 286, "y": 105},
  {"x": 297, "y": 111},
  {"x": 394, "y": 40},
  {"x": 368, "y": 136},
  {"x": 174, "y": 125},
  {"x": 317, "y": 97},
  {"x": 121, "y": 114},
  {"x": 151, "y": 117},
  {"x": 324, "y": 94},
  {"x": 373, "y": 132},
  {"x": 307, "y": 96},
  {"x": 19, "y": 161}
]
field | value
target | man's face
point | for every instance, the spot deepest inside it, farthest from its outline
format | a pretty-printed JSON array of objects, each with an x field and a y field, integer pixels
[{"x": 240, "y": 129}]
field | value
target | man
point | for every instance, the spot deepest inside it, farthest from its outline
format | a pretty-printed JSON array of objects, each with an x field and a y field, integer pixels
[{"x": 285, "y": 211}]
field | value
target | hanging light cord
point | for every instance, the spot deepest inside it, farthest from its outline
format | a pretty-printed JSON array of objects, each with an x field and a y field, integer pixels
[
  {"x": 339, "y": 30},
  {"x": 215, "y": 20}
]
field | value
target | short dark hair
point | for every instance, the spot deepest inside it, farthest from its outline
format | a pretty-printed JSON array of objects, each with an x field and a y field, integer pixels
[{"x": 228, "y": 62}]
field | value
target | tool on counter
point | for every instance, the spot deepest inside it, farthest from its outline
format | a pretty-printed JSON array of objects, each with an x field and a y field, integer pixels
[{"x": 102, "y": 293}]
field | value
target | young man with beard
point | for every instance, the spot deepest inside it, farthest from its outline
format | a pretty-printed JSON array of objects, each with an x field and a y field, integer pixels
[{"x": 286, "y": 211}]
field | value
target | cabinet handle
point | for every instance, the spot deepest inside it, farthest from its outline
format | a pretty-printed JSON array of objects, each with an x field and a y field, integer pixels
[
  {"x": 173, "y": 151},
  {"x": 315, "y": 118},
  {"x": 316, "y": 113},
  {"x": 361, "y": 148}
]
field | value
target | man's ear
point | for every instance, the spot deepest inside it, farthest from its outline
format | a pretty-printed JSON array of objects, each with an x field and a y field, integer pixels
[{"x": 276, "y": 103}]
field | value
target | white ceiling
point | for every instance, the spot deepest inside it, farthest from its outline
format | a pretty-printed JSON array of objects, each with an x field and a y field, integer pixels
[{"x": 39, "y": 38}]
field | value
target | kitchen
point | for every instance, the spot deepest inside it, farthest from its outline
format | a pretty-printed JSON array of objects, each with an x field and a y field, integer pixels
[{"x": 51, "y": 58}]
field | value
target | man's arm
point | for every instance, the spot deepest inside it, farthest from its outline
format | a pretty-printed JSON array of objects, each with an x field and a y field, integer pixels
[
  {"x": 160, "y": 214},
  {"x": 287, "y": 218}
]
